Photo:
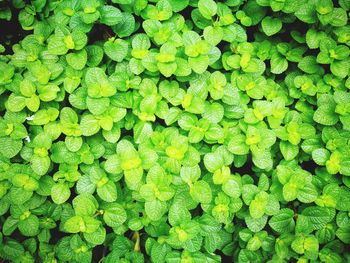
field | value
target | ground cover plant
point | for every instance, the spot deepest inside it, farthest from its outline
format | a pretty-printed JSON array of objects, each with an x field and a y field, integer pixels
[{"x": 178, "y": 131}]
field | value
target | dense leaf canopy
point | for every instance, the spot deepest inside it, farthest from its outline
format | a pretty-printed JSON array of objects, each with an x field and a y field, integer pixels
[{"x": 175, "y": 131}]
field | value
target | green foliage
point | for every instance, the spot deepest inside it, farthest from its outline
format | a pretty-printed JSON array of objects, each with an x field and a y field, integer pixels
[{"x": 177, "y": 131}]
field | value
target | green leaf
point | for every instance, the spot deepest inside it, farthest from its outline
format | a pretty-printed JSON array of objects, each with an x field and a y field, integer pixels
[
  {"x": 178, "y": 6},
  {"x": 339, "y": 17},
  {"x": 74, "y": 143},
  {"x": 114, "y": 215},
  {"x": 10, "y": 147},
  {"x": 98, "y": 84},
  {"x": 320, "y": 156},
  {"x": 214, "y": 112},
  {"x": 56, "y": 46},
  {"x": 94, "y": 54},
  {"x": 77, "y": 60},
  {"x": 343, "y": 233},
  {"x": 340, "y": 68},
  {"x": 308, "y": 64},
  {"x": 74, "y": 224},
  {"x": 318, "y": 216},
  {"x": 256, "y": 224},
  {"x": 257, "y": 208},
  {"x": 107, "y": 192},
  {"x": 290, "y": 192},
  {"x": 29, "y": 226},
  {"x": 97, "y": 106},
  {"x": 10, "y": 225},
  {"x": 306, "y": 13},
  {"x": 213, "y": 162},
  {"x": 60, "y": 193},
  {"x": 325, "y": 115},
  {"x": 126, "y": 26},
  {"x": 213, "y": 35},
  {"x": 97, "y": 237},
  {"x": 40, "y": 165},
  {"x": 85, "y": 205},
  {"x": 207, "y": 8},
  {"x": 201, "y": 192},
  {"x": 278, "y": 64},
  {"x": 155, "y": 209},
  {"x": 116, "y": 49},
  {"x": 288, "y": 150},
  {"x": 89, "y": 125},
  {"x": 308, "y": 193},
  {"x": 313, "y": 38},
  {"x": 110, "y": 15},
  {"x": 15, "y": 103},
  {"x": 178, "y": 213},
  {"x": 283, "y": 221},
  {"x": 167, "y": 69},
  {"x": 262, "y": 159},
  {"x": 232, "y": 188},
  {"x": 271, "y": 26},
  {"x": 190, "y": 174}
]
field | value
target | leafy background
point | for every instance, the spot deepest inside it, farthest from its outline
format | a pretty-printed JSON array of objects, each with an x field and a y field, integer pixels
[{"x": 259, "y": 153}]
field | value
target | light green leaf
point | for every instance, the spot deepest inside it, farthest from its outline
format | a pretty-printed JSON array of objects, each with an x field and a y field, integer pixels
[
  {"x": 116, "y": 49},
  {"x": 283, "y": 221},
  {"x": 10, "y": 147},
  {"x": 155, "y": 209},
  {"x": 110, "y": 15},
  {"x": 271, "y": 26},
  {"x": 201, "y": 192},
  {"x": 60, "y": 193},
  {"x": 207, "y": 8},
  {"x": 107, "y": 192}
]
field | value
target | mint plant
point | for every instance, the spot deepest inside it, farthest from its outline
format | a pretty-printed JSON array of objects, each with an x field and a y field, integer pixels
[{"x": 174, "y": 131}]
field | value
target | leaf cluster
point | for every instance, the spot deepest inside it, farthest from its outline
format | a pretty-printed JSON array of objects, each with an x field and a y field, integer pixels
[{"x": 177, "y": 131}]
